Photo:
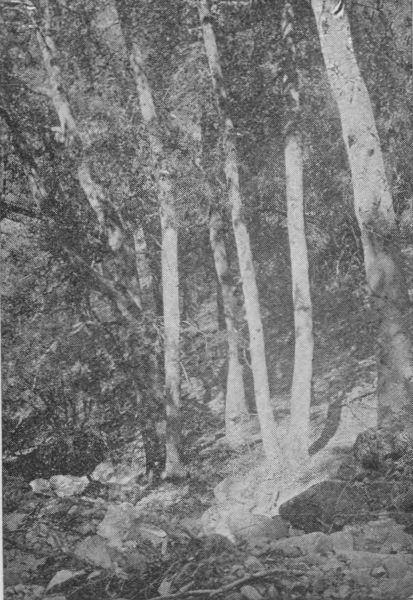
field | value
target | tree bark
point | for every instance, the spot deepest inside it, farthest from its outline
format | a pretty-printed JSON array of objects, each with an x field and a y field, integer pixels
[
  {"x": 252, "y": 307},
  {"x": 143, "y": 269},
  {"x": 169, "y": 260},
  {"x": 68, "y": 132},
  {"x": 374, "y": 211},
  {"x": 301, "y": 390},
  {"x": 303, "y": 355},
  {"x": 236, "y": 409}
]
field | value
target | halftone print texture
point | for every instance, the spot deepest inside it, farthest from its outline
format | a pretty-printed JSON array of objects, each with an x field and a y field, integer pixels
[{"x": 206, "y": 216}]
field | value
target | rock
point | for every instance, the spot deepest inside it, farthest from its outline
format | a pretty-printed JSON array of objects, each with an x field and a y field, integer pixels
[
  {"x": 336, "y": 503},
  {"x": 397, "y": 565},
  {"x": 361, "y": 577},
  {"x": 273, "y": 593},
  {"x": 384, "y": 536},
  {"x": 299, "y": 545},
  {"x": 41, "y": 486},
  {"x": 250, "y": 593},
  {"x": 124, "y": 475},
  {"x": 359, "y": 559},
  {"x": 103, "y": 472},
  {"x": 239, "y": 523},
  {"x": 397, "y": 589},
  {"x": 191, "y": 525},
  {"x": 344, "y": 591},
  {"x": 374, "y": 447},
  {"x": 253, "y": 564},
  {"x": 68, "y": 485},
  {"x": 62, "y": 577},
  {"x": 341, "y": 540},
  {"x": 29, "y": 592},
  {"x": 85, "y": 528},
  {"x": 379, "y": 571},
  {"x": 247, "y": 526},
  {"x": 94, "y": 550},
  {"x": 117, "y": 523},
  {"x": 164, "y": 496},
  {"x": 13, "y": 521},
  {"x": 130, "y": 560},
  {"x": 155, "y": 535}
]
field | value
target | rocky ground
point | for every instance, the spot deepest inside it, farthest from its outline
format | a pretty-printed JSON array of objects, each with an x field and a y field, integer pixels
[
  {"x": 340, "y": 529},
  {"x": 345, "y": 538}
]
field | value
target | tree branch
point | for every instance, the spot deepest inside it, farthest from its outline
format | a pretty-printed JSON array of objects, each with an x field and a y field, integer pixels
[{"x": 213, "y": 593}]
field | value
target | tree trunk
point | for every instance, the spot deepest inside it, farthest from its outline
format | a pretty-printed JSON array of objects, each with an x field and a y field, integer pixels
[
  {"x": 252, "y": 307},
  {"x": 299, "y": 434},
  {"x": 303, "y": 355},
  {"x": 142, "y": 267},
  {"x": 374, "y": 211},
  {"x": 236, "y": 409},
  {"x": 169, "y": 260},
  {"x": 220, "y": 306},
  {"x": 68, "y": 132}
]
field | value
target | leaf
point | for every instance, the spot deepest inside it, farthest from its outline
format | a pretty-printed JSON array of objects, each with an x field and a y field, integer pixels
[{"x": 61, "y": 577}]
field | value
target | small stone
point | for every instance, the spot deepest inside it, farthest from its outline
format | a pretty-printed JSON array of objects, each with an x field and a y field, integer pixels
[
  {"x": 13, "y": 521},
  {"x": 250, "y": 593},
  {"x": 378, "y": 572},
  {"x": 341, "y": 540},
  {"x": 253, "y": 564},
  {"x": 324, "y": 545},
  {"x": 68, "y": 485},
  {"x": 344, "y": 591},
  {"x": 273, "y": 593},
  {"x": 41, "y": 486},
  {"x": 361, "y": 577},
  {"x": 395, "y": 566}
]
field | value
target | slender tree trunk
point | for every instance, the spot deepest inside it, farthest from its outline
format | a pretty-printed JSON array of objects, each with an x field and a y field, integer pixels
[
  {"x": 142, "y": 267},
  {"x": 299, "y": 435},
  {"x": 374, "y": 211},
  {"x": 236, "y": 409},
  {"x": 68, "y": 132},
  {"x": 303, "y": 356},
  {"x": 169, "y": 260},
  {"x": 220, "y": 306},
  {"x": 252, "y": 307}
]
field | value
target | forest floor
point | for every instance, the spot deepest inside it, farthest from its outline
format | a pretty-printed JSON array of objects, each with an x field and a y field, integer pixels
[{"x": 140, "y": 540}]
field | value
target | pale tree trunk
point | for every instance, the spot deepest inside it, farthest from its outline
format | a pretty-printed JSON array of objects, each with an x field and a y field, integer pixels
[
  {"x": 236, "y": 409},
  {"x": 143, "y": 268},
  {"x": 169, "y": 260},
  {"x": 249, "y": 286},
  {"x": 303, "y": 354},
  {"x": 374, "y": 212},
  {"x": 68, "y": 132},
  {"x": 299, "y": 434}
]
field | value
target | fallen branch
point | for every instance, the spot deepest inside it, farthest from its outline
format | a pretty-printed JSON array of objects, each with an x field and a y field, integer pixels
[{"x": 213, "y": 593}]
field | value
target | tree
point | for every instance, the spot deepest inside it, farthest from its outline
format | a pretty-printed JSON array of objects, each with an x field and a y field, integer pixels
[
  {"x": 251, "y": 300},
  {"x": 303, "y": 356},
  {"x": 236, "y": 410},
  {"x": 68, "y": 132},
  {"x": 374, "y": 211},
  {"x": 169, "y": 258}
]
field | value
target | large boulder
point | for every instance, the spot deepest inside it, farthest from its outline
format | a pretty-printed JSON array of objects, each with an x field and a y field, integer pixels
[
  {"x": 381, "y": 449},
  {"x": 334, "y": 503}
]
